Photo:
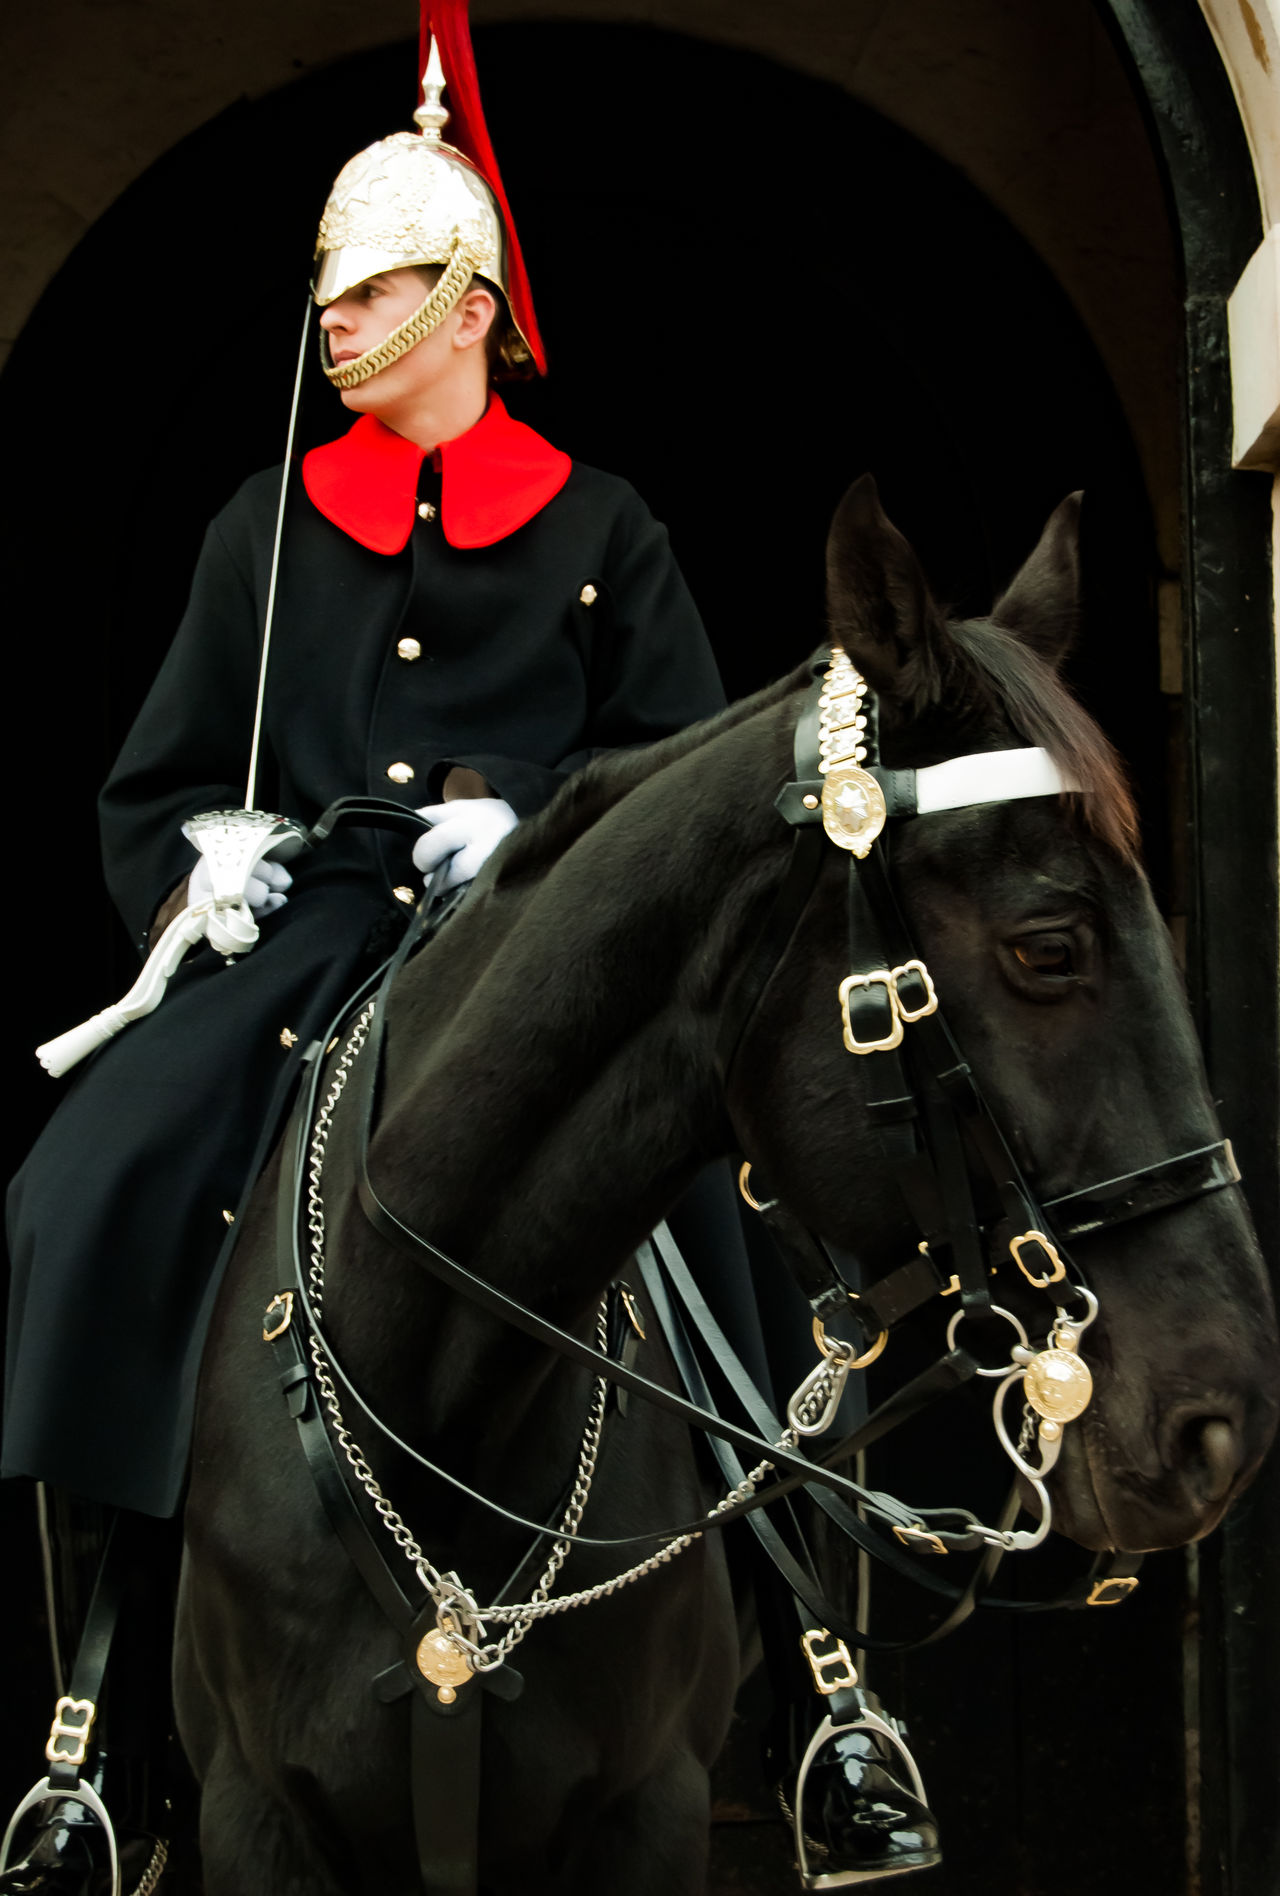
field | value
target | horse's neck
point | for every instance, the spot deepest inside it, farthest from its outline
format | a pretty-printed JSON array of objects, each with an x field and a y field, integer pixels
[{"x": 550, "y": 1082}]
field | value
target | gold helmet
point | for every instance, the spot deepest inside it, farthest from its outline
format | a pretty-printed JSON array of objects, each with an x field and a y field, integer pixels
[{"x": 413, "y": 200}]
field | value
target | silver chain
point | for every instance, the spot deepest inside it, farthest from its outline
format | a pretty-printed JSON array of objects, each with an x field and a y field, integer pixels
[
  {"x": 464, "y": 1619},
  {"x": 154, "y": 1870},
  {"x": 319, "y": 1140}
]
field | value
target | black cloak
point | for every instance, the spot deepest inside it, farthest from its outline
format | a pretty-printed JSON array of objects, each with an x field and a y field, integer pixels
[{"x": 521, "y": 658}]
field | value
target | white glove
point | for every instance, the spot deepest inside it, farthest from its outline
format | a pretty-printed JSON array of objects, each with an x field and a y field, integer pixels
[
  {"x": 264, "y": 891},
  {"x": 463, "y": 833}
]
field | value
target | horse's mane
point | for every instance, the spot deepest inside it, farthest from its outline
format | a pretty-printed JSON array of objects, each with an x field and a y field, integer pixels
[
  {"x": 605, "y": 780},
  {"x": 1038, "y": 705},
  {"x": 995, "y": 670}
]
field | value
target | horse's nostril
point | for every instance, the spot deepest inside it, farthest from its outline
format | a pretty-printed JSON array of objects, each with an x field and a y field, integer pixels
[{"x": 1208, "y": 1452}]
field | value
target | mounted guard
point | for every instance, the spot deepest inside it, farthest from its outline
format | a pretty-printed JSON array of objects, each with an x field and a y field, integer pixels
[{"x": 390, "y": 658}]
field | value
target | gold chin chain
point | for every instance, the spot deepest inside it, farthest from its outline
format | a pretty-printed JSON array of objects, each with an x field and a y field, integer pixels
[
  {"x": 853, "y": 806},
  {"x": 428, "y": 316}
]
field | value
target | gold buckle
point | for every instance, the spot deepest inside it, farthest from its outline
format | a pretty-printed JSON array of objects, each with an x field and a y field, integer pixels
[
  {"x": 1098, "y": 1592},
  {"x": 879, "y": 977},
  {"x": 954, "y": 1287},
  {"x": 283, "y": 1300},
  {"x": 887, "y": 978},
  {"x": 920, "y": 1538},
  {"x": 84, "y": 1709},
  {"x": 632, "y": 1309},
  {"x": 1059, "y": 1270},
  {"x": 823, "y": 1665},
  {"x": 909, "y": 1014}
]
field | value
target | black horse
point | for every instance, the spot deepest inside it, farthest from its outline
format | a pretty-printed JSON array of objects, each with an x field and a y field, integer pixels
[{"x": 551, "y": 1088}]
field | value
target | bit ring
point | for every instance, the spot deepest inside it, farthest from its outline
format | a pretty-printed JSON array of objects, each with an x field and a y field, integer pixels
[
  {"x": 837, "y": 1349},
  {"x": 997, "y": 1311}
]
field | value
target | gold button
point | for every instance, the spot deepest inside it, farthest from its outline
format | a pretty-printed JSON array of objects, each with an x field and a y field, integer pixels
[
  {"x": 425, "y": 510},
  {"x": 588, "y": 595},
  {"x": 404, "y": 894},
  {"x": 400, "y": 773},
  {"x": 288, "y": 1038},
  {"x": 229, "y": 1217},
  {"x": 409, "y": 649}
]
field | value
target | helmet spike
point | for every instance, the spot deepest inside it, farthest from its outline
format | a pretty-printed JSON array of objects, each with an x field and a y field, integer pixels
[
  {"x": 444, "y": 23},
  {"x": 414, "y": 200},
  {"x": 431, "y": 115}
]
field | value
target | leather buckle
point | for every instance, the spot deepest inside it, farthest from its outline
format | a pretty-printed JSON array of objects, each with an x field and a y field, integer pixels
[
  {"x": 1101, "y": 1594},
  {"x": 901, "y": 1014},
  {"x": 67, "y": 1708},
  {"x": 879, "y": 977},
  {"x": 1058, "y": 1269},
  {"x": 832, "y": 1671},
  {"x": 282, "y": 1301},
  {"x": 909, "y": 1014}
]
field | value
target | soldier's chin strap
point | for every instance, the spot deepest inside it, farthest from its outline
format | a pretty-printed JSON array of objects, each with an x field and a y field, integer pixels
[{"x": 233, "y": 843}]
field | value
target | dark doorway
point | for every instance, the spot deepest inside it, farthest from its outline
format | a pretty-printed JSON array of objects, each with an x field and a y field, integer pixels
[
  {"x": 752, "y": 290},
  {"x": 740, "y": 319}
]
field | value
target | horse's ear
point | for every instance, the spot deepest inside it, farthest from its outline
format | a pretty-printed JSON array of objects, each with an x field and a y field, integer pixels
[
  {"x": 878, "y": 603},
  {"x": 1041, "y": 604}
]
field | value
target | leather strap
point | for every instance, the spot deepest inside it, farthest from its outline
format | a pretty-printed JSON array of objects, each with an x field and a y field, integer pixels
[
  {"x": 487, "y": 1297},
  {"x": 96, "y": 1637},
  {"x": 1158, "y": 1187},
  {"x": 770, "y": 945},
  {"x": 802, "y": 1471},
  {"x": 368, "y": 812}
]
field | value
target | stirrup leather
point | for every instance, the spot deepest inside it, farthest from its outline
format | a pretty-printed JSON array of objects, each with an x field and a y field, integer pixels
[{"x": 810, "y": 1876}]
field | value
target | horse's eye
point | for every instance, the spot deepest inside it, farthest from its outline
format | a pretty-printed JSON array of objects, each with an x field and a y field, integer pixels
[{"x": 1046, "y": 955}]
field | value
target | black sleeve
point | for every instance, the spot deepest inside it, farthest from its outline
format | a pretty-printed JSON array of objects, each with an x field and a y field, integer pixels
[
  {"x": 651, "y": 667},
  {"x": 189, "y": 746}
]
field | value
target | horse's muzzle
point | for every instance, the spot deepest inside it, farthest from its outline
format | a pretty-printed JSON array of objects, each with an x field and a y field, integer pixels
[{"x": 1202, "y": 1453}]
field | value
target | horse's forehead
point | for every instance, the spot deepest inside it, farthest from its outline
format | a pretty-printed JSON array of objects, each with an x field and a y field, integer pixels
[{"x": 1008, "y": 851}]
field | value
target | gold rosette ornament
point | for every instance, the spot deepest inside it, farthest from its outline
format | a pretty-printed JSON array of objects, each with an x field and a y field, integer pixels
[{"x": 853, "y": 806}]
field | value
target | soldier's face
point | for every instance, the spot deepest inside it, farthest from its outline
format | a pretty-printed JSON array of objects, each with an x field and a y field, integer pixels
[
  {"x": 448, "y": 364},
  {"x": 366, "y": 315}
]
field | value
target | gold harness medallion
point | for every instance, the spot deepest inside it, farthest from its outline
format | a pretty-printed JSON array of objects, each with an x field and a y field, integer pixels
[{"x": 443, "y": 1665}]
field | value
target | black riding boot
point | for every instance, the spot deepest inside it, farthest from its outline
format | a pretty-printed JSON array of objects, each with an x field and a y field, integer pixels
[
  {"x": 850, "y": 1790},
  {"x": 844, "y": 1777},
  {"x": 63, "y": 1845}
]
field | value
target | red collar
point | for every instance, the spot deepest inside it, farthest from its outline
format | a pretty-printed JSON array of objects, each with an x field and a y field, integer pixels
[{"x": 493, "y": 479}]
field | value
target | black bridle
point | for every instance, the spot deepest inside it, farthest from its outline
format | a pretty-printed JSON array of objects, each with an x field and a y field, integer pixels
[
  {"x": 936, "y": 1132},
  {"x": 937, "y": 1135}
]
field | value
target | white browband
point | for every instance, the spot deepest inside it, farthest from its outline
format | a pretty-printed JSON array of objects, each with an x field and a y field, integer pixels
[{"x": 988, "y": 777}]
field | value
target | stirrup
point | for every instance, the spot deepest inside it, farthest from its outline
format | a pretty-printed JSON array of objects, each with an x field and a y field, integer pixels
[
  {"x": 811, "y": 1876},
  {"x": 81, "y": 1793},
  {"x": 75, "y": 1714}
]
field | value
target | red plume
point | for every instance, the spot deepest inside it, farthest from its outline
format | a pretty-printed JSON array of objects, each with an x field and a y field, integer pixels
[{"x": 468, "y": 133}]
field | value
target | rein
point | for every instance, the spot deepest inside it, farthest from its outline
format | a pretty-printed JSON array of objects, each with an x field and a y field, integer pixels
[{"x": 936, "y": 1133}]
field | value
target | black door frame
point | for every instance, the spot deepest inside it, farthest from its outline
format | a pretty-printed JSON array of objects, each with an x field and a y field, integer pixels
[{"x": 1233, "y": 947}]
